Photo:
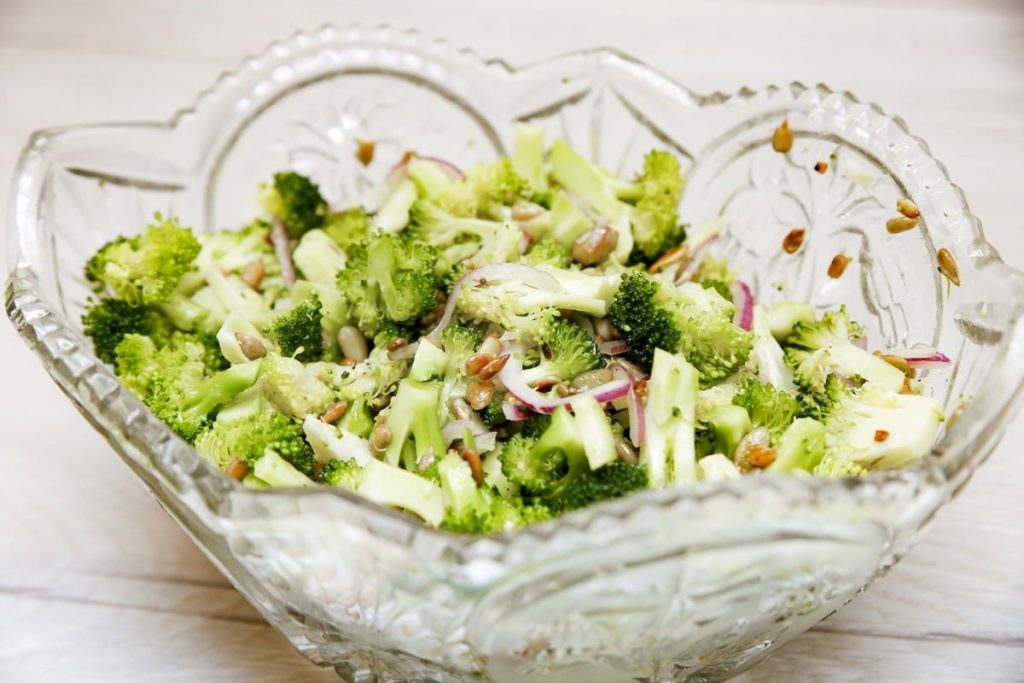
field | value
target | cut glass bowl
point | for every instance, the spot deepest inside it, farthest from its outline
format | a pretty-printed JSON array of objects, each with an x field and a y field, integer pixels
[{"x": 692, "y": 584}]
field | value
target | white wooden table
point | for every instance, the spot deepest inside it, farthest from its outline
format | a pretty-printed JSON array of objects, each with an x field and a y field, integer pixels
[{"x": 96, "y": 584}]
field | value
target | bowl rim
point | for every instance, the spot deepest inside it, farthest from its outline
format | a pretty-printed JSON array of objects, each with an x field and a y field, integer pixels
[{"x": 949, "y": 459}]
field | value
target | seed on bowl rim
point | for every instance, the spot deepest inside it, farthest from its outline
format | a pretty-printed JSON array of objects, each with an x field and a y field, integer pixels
[
  {"x": 782, "y": 138},
  {"x": 364, "y": 151},
  {"x": 237, "y": 469},
  {"x": 948, "y": 267},
  {"x": 336, "y": 412},
  {"x": 821, "y": 167},
  {"x": 793, "y": 240},
  {"x": 881, "y": 435},
  {"x": 900, "y": 224},
  {"x": 253, "y": 273},
  {"x": 838, "y": 266},
  {"x": 908, "y": 208}
]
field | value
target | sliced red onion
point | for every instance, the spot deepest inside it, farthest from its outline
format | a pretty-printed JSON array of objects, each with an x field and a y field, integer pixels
[
  {"x": 404, "y": 352},
  {"x": 454, "y": 171},
  {"x": 861, "y": 342},
  {"x": 494, "y": 271},
  {"x": 283, "y": 250},
  {"x": 743, "y": 298},
  {"x": 512, "y": 377},
  {"x": 695, "y": 258},
  {"x": 398, "y": 171},
  {"x": 514, "y": 412},
  {"x": 615, "y": 347},
  {"x": 634, "y": 370},
  {"x": 921, "y": 357}
]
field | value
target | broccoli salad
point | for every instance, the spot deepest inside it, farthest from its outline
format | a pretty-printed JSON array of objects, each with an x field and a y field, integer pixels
[{"x": 491, "y": 348}]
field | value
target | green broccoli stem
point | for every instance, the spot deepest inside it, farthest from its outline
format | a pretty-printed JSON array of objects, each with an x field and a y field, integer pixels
[
  {"x": 414, "y": 412},
  {"x": 201, "y": 400},
  {"x": 562, "y": 437}
]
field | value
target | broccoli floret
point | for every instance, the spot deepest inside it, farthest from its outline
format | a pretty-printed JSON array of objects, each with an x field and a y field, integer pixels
[
  {"x": 611, "y": 481},
  {"x": 655, "y": 216},
  {"x": 299, "y": 331},
  {"x": 390, "y": 485},
  {"x": 456, "y": 238},
  {"x": 493, "y": 415},
  {"x": 783, "y": 316},
  {"x": 249, "y": 437},
  {"x": 550, "y": 252},
  {"x": 495, "y": 185},
  {"x": 276, "y": 472},
  {"x": 528, "y": 157},
  {"x": 173, "y": 381},
  {"x": 495, "y": 513},
  {"x": 374, "y": 377},
  {"x": 232, "y": 250},
  {"x": 357, "y": 419},
  {"x": 461, "y": 342},
  {"x": 567, "y": 351},
  {"x": 816, "y": 349},
  {"x": 293, "y": 387},
  {"x": 669, "y": 450},
  {"x": 767, "y": 406},
  {"x": 563, "y": 223},
  {"x": 348, "y": 228},
  {"x": 213, "y": 357},
  {"x": 547, "y": 465},
  {"x": 527, "y": 308},
  {"x": 296, "y": 202},
  {"x": 341, "y": 473},
  {"x": 145, "y": 269},
  {"x": 414, "y": 413},
  {"x": 390, "y": 279},
  {"x": 876, "y": 428},
  {"x": 107, "y": 321},
  {"x": 686, "y": 319},
  {"x": 714, "y": 273}
]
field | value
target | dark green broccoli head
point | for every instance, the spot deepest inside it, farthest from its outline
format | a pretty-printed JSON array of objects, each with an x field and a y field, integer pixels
[
  {"x": 547, "y": 465},
  {"x": 299, "y": 330},
  {"x": 296, "y": 202},
  {"x": 685, "y": 319},
  {"x": 655, "y": 218},
  {"x": 611, "y": 481},
  {"x": 767, "y": 406},
  {"x": 145, "y": 269},
  {"x": 567, "y": 351},
  {"x": 348, "y": 228},
  {"x": 107, "y": 321},
  {"x": 247, "y": 438},
  {"x": 492, "y": 414}
]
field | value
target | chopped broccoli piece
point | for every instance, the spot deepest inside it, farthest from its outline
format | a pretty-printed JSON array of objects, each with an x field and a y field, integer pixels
[
  {"x": 545, "y": 466},
  {"x": 461, "y": 342},
  {"x": 457, "y": 238},
  {"x": 611, "y": 481},
  {"x": 495, "y": 513},
  {"x": 686, "y": 319},
  {"x": 319, "y": 258},
  {"x": 816, "y": 349},
  {"x": 107, "y": 321},
  {"x": 528, "y": 156},
  {"x": 249, "y": 437},
  {"x": 669, "y": 451},
  {"x": 348, "y": 228},
  {"x": 173, "y": 381},
  {"x": 655, "y": 217},
  {"x": 296, "y": 202},
  {"x": 299, "y": 331},
  {"x": 592, "y": 421},
  {"x": 783, "y": 316},
  {"x": 277, "y": 472},
  {"x": 390, "y": 485},
  {"x": 548, "y": 252},
  {"x": 714, "y": 273},
  {"x": 145, "y": 269},
  {"x": 493, "y": 415},
  {"x": 343, "y": 474},
  {"x": 293, "y": 387},
  {"x": 569, "y": 351},
  {"x": 414, "y": 413},
  {"x": 390, "y": 279},
  {"x": 717, "y": 467},
  {"x": 726, "y": 426},
  {"x": 767, "y": 406}
]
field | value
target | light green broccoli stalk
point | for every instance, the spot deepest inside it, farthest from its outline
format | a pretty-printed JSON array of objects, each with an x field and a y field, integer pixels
[
  {"x": 668, "y": 451},
  {"x": 249, "y": 437}
]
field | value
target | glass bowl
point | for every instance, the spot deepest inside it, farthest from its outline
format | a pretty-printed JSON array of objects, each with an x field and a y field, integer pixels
[{"x": 693, "y": 584}]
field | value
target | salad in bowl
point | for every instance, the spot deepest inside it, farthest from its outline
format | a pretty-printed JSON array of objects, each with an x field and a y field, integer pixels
[{"x": 557, "y": 373}]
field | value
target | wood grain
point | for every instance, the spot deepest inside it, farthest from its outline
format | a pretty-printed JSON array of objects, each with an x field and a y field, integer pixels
[{"x": 96, "y": 584}]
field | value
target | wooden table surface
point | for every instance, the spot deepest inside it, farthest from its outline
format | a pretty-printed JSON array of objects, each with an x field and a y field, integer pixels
[{"x": 97, "y": 584}]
